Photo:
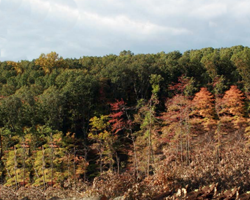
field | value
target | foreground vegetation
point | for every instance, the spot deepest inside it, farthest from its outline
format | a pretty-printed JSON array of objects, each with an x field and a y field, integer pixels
[{"x": 149, "y": 126}]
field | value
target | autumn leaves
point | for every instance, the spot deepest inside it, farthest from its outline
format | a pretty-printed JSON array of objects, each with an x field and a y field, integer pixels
[{"x": 192, "y": 122}]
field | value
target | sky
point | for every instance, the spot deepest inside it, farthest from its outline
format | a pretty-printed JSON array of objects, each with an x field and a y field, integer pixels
[{"x": 76, "y": 28}]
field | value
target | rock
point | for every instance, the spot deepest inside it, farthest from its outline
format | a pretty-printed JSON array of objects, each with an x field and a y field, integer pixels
[
  {"x": 102, "y": 197},
  {"x": 25, "y": 198},
  {"x": 119, "y": 198},
  {"x": 55, "y": 198}
]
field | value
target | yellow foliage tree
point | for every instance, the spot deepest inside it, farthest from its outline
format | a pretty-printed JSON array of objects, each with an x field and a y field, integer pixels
[
  {"x": 17, "y": 66},
  {"x": 100, "y": 132},
  {"x": 50, "y": 61}
]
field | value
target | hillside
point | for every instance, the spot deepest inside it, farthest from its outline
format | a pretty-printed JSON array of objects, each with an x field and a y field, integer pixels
[{"x": 145, "y": 126}]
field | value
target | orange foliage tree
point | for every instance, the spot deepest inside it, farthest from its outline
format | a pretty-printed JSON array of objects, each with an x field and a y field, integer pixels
[
  {"x": 203, "y": 109},
  {"x": 233, "y": 106},
  {"x": 230, "y": 111}
]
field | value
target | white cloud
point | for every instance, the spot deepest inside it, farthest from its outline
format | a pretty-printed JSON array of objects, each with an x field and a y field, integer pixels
[
  {"x": 10, "y": 5},
  {"x": 2, "y": 53},
  {"x": 210, "y": 10},
  {"x": 57, "y": 14},
  {"x": 241, "y": 8},
  {"x": 122, "y": 23},
  {"x": 212, "y": 24}
]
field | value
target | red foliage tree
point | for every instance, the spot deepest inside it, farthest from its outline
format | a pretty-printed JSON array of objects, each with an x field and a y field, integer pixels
[
  {"x": 176, "y": 129},
  {"x": 184, "y": 86},
  {"x": 117, "y": 116},
  {"x": 119, "y": 120}
]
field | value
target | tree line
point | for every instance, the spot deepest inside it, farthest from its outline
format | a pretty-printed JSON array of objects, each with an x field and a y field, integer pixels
[{"x": 69, "y": 119}]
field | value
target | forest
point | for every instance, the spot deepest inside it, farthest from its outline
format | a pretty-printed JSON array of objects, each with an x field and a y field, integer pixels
[{"x": 136, "y": 126}]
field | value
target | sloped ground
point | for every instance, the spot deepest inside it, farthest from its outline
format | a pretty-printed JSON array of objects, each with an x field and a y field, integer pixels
[{"x": 206, "y": 177}]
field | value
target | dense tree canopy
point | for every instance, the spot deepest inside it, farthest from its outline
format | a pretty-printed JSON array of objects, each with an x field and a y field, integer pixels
[{"x": 67, "y": 118}]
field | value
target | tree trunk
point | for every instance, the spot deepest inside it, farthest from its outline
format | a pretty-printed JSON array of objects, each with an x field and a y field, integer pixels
[
  {"x": 24, "y": 157},
  {"x": 15, "y": 167},
  {"x": 43, "y": 168},
  {"x": 52, "y": 157}
]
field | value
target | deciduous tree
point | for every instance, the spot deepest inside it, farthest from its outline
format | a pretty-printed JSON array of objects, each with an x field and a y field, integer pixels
[{"x": 50, "y": 61}]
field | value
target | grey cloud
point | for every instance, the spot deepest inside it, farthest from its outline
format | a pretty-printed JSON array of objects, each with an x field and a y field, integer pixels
[{"x": 100, "y": 27}]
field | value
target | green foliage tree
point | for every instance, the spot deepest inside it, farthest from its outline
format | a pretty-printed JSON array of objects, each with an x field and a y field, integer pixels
[
  {"x": 50, "y": 106},
  {"x": 146, "y": 117},
  {"x": 52, "y": 93},
  {"x": 241, "y": 60}
]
